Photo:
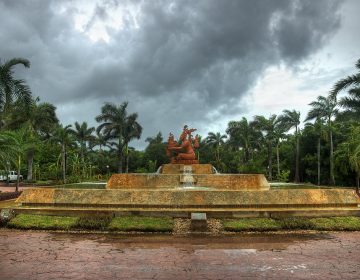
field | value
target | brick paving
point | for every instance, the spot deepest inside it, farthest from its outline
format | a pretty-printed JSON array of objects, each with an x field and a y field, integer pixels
[{"x": 43, "y": 255}]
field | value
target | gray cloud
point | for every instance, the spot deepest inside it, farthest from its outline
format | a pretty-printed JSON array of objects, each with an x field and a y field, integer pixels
[{"x": 177, "y": 62}]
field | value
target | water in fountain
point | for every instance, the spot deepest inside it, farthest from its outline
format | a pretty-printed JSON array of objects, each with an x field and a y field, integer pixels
[
  {"x": 187, "y": 178},
  {"x": 159, "y": 170}
]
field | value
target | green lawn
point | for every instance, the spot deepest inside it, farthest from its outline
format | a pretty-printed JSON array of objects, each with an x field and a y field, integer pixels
[
  {"x": 141, "y": 224},
  {"x": 25, "y": 221},
  {"x": 148, "y": 224}
]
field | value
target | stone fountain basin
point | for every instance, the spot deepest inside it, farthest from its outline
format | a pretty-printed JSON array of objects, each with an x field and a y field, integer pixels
[
  {"x": 174, "y": 198},
  {"x": 213, "y": 181}
]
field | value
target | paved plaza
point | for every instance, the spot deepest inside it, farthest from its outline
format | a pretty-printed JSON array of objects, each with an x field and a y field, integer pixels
[{"x": 43, "y": 255}]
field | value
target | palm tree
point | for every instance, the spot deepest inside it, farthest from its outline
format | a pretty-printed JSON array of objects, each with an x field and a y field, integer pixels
[
  {"x": 268, "y": 128},
  {"x": 132, "y": 130},
  {"x": 351, "y": 82},
  {"x": 83, "y": 135},
  {"x": 242, "y": 135},
  {"x": 117, "y": 126},
  {"x": 63, "y": 136},
  {"x": 288, "y": 120},
  {"x": 351, "y": 104},
  {"x": 325, "y": 108},
  {"x": 8, "y": 149},
  {"x": 12, "y": 89},
  {"x": 317, "y": 128},
  {"x": 216, "y": 140},
  {"x": 38, "y": 121}
]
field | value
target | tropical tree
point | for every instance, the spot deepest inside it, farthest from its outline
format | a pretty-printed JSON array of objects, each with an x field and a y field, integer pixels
[
  {"x": 268, "y": 128},
  {"x": 352, "y": 83},
  {"x": 63, "y": 136},
  {"x": 132, "y": 130},
  {"x": 288, "y": 120},
  {"x": 351, "y": 104},
  {"x": 325, "y": 108},
  {"x": 12, "y": 89},
  {"x": 8, "y": 150},
  {"x": 118, "y": 126},
  {"x": 83, "y": 135},
  {"x": 38, "y": 121},
  {"x": 242, "y": 135},
  {"x": 318, "y": 129},
  {"x": 216, "y": 140}
]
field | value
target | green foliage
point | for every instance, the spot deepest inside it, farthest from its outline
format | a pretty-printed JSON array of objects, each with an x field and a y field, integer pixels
[
  {"x": 144, "y": 224},
  {"x": 295, "y": 223},
  {"x": 93, "y": 223},
  {"x": 284, "y": 176}
]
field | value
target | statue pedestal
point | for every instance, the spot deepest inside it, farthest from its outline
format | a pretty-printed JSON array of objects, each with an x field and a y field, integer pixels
[{"x": 184, "y": 161}]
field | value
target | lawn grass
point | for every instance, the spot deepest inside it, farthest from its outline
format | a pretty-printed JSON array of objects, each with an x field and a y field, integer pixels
[
  {"x": 25, "y": 221},
  {"x": 292, "y": 223},
  {"x": 337, "y": 223},
  {"x": 43, "y": 222},
  {"x": 251, "y": 224},
  {"x": 145, "y": 224}
]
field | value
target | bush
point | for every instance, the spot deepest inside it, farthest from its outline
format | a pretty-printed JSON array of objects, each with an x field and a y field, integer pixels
[
  {"x": 295, "y": 223},
  {"x": 99, "y": 223}
]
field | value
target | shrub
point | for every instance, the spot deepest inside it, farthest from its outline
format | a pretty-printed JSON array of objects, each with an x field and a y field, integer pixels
[{"x": 100, "y": 223}]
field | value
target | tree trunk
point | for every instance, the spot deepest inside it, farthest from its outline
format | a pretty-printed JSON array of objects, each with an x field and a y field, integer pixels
[
  {"x": 278, "y": 161},
  {"x": 318, "y": 162},
  {"x": 18, "y": 174},
  {"x": 270, "y": 160},
  {"x": 127, "y": 159},
  {"x": 332, "y": 178},
  {"x": 120, "y": 162},
  {"x": 30, "y": 160},
  {"x": 297, "y": 161},
  {"x": 63, "y": 162}
]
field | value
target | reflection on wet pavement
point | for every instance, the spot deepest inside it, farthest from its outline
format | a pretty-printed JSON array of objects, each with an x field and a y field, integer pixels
[{"x": 42, "y": 255}]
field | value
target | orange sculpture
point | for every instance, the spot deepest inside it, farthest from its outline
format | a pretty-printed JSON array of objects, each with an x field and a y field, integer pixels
[{"x": 182, "y": 152}]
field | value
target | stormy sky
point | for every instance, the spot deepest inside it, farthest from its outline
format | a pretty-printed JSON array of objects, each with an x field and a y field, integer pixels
[{"x": 201, "y": 63}]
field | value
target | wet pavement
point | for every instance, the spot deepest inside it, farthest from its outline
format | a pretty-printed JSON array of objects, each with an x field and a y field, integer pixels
[{"x": 43, "y": 255}]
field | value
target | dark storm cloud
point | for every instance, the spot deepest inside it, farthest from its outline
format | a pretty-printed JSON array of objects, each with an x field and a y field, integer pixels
[{"x": 191, "y": 61}]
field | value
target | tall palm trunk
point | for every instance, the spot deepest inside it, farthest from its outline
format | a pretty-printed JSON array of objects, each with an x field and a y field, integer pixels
[
  {"x": 63, "y": 162},
  {"x": 127, "y": 159},
  {"x": 270, "y": 160},
  {"x": 332, "y": 177},
  {"x": 297, "y": 163},
  {"x": 120, "y": 168},
  {"x": 18, "y": 174},
  {"x": 318, "y": 162},
  {"x": 30, "y": 161},
  {"x": 278, "y": 160}
]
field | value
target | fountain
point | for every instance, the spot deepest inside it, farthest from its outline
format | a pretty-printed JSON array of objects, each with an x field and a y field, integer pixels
[{"x": 185, "y": 188}]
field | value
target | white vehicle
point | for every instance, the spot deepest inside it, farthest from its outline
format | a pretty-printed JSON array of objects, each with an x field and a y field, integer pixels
[{"x": 11, "y": 176}]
